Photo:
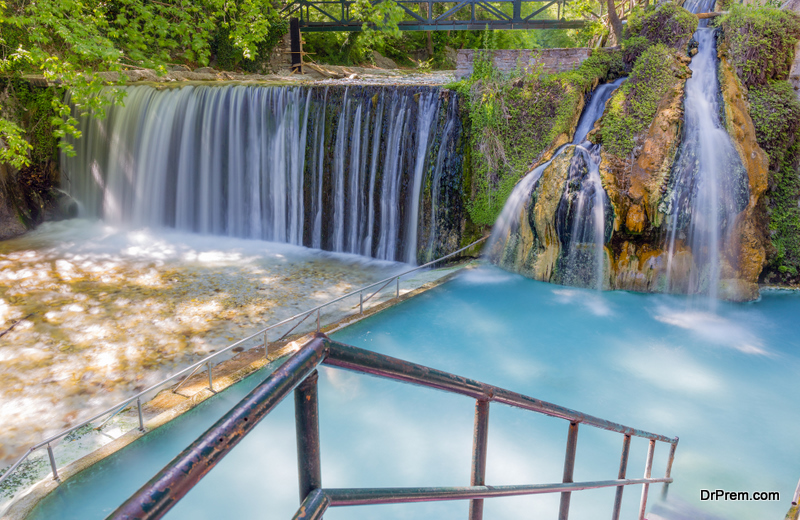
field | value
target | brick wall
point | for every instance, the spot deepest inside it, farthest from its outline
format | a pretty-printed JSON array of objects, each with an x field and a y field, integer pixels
[{"x": 552, "y": 60}]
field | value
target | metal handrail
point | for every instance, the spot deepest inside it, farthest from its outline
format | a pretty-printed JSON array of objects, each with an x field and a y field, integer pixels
[
  {"x": 194, "y": 367},
  {"x": 298, "y": 373}
]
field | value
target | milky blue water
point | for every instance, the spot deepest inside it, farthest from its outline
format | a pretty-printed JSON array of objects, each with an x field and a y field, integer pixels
[{"x": 726, "y": 383}]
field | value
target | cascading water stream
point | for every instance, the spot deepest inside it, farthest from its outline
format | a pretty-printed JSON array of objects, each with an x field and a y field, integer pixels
[
  {"x": 340, "y": 169},
  {"x": 584, "y": 211},
  {"x": 587, "y": 230},
  {"x": 709, "y": 184}
]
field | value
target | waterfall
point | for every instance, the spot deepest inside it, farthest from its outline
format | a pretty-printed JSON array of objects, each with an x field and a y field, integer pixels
[
  {"x": 446, "y": 151},
  {"x": 582, "y": 217},
  {"x": 708, "y": 184},
  {"x": 581, "y": 214},
  {"x": 335, "y": 168}
]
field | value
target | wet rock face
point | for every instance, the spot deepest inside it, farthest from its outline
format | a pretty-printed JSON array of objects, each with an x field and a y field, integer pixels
[
  {"x": 644, "y": 191},
  {"x": 645, "y": 194}
]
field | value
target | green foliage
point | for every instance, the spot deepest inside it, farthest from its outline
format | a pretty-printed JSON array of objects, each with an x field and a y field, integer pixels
[
  {"x": 776, "y": 117},
  {"x": 33, "y": 108},
  {"x": 229, "y": 57},
  {"x": 760, "y": 42},
  {"x": 667, "y": 24},
  {"x": 15, "y": 151},
  {"x": 72, "y": 41},
  {"x": 631, "y": 109},
  {"x": 514, "y": 118}
]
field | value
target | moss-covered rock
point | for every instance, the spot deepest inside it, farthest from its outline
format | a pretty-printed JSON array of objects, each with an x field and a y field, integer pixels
[
  {"x": 666, "y": 24},
  {"x": 632, "y": 109},
  {"x": 760, "y": 42},
  {"x": 776, "y": 114}
]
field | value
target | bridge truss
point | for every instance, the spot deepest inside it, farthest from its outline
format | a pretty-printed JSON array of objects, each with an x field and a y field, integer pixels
[{"x": 434, "y": 15}]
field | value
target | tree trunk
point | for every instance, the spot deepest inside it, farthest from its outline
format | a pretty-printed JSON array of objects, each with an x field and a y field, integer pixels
[{"x": 614, "y": 22}]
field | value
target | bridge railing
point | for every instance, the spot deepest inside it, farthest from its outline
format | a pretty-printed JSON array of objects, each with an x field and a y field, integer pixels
[{"x": 299, "y": 374}]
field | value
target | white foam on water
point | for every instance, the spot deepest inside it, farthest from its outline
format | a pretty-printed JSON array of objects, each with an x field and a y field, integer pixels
[
  {"x": 714, "y": 329},
  {"x": 591, "y": 301}
]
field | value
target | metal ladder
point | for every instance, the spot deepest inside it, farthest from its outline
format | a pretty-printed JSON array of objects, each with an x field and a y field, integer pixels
[{"x": 299, "y": 374}]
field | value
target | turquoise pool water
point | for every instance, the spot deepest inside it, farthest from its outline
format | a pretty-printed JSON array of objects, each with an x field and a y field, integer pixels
[{"x": 726, "y": 383}]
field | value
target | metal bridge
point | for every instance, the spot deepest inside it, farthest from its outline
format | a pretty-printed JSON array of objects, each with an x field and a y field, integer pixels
[{"x": 434, "y": 15}]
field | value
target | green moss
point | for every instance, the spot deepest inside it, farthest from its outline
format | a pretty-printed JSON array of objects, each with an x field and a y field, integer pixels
[
  {"x": 513, "y": 118},
  {"x": 666, "y": 24},
  {"x": 35, "y": 112},
  {"x": 631, "y": 109},
  {"x": 760, "y": 42},
  {"x": 31, "y": 108},
  {"x": 776, "y": 117}
]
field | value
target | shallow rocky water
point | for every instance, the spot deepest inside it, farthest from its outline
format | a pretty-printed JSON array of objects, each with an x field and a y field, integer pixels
[{"x": 93, "y": 314}]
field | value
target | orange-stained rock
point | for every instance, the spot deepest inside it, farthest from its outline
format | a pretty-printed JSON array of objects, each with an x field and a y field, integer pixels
[
  {"x": 551, "y": 187},
  {"x": 636, "y": 220},
  {"x": 650, "y": 172},
  {"x": 747, "y": 249}
]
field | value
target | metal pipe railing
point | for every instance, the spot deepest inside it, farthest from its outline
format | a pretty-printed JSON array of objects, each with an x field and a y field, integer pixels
[
  {"x": 361, "y": 497},
  {"x": 796, "y": 497},
  {"x": 360, "y": 360},
  {"x": 155, "y": 498},
  {"x": 197, "y": 366},
  {"x": 480, "y": 443}
]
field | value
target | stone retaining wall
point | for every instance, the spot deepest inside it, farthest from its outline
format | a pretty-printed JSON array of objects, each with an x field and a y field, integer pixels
[{"x": 551, "y": 60}]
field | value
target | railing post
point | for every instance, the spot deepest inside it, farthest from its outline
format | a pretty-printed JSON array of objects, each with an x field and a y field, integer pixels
[
  {"x": 306, "y": 414},
  {"x": 266, "y": 353},
  {"x": 139, "y": 408},
  {"x": 479, "y": 445},
  {"x": 397, "y": 293},
  {"x": 361, "y": 302},
  {"x": 623, "y": 470},
  {"x": 52, "y": 462},
  {"x": 796, "y": 496},
  {"x": 210, "y": 377},
  {"x": 569, "y": 469},
  {"x": 648, "y": 468},
  {"x": 668, "y": 473}
]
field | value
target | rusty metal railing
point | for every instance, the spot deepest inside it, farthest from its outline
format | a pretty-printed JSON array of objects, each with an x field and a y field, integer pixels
[
  {"x": 796, "y": 496},
  {"x": 299, "y": 373},
  {"x": 192, "y": 369}
]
